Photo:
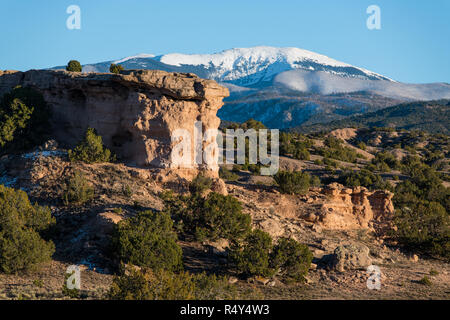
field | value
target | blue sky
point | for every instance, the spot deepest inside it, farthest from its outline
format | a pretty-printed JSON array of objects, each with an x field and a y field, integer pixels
[{"x": 412, "y": 46}]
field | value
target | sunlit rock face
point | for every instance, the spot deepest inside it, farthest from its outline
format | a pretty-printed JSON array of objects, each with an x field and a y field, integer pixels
[{"x": 136, "y": 112}]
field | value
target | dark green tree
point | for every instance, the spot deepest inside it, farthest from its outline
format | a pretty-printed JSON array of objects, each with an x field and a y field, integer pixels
[
  {"x": 148, "y": 240},
  {"x": 293, "y": 182},
  {"x": 74, "y": 66},
  {"x": 425, "y": 226},
  {"x": 251, "y": 258},
  {"x": 209, "y": 218},
  {"x": 22, "y": 226},
  {"x": 78, "y": 191},
  {"x": 165, "y": 285},
  {"x": 24, "y": 116},
  {"x": 200, "y": 184},
  {"x": 292, "y": 258},
  {"x": 90, "y": 149},
  {"x": 115, "y": 68}
]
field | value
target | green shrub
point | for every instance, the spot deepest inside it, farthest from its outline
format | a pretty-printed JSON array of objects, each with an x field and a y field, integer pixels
[
  {"x": 411, "y": 149},
  {"x": 335, "y": 150},
  {"x": 255, "y": 169},
  {"x": 38, "y": 283},
  {"x": 118, "y": 210},
  {"x": 286, "y": 144},
  {"x": 385, "y": 161},
  {"x": 23, "y": 249},
  {"x": 13, "y": 119},
  {"x": 148, "y": 240},
  {"x": 362, "y": 145},
  {"x": 425, "y": 281},
  {"x": 251, "y": 258},
  {"x": 330, "y": 169},
  {"x": 424, "y": 227},
  {"x": 295, "y": 144},
  {"x": 115, "y": 68},
  {"x": 433, "y": 272},
  {"x": 332, "y": 142},
  {"x": 220, "y": 216},
  {"x": 236, "y": 168},
  {"x": 164, "y": 285},
  {"x": 293, "y": 182},
  {"x": 329, "y": 162},
  {"x": 211, "y": 218},
  {"x": 24, "y": 118},
  {"x": 257, "y": 256},
  {"x": 301, "y": 154},
  {"x": 74, "y": 66},
  {"x": 21, "y": 226},
  {"x": 127, "y": 191},
  {"x": 315, "y": 181},
  {"x": 253, "y": 124},
  {"x": 78, "y": 190},
  {"x": 424, "y": 184},
  {"x": 200, "y": 184},
  {"x": 318, "y": 162},
  {"x": 90, "y": 149},
  {"x": 228, "y": 175},
  {"x": 292, "y": 258},
  {"x": 363, "y": 178}
]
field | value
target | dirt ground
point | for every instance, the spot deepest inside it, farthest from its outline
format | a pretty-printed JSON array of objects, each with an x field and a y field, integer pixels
[{"x": 399, "y": 280}]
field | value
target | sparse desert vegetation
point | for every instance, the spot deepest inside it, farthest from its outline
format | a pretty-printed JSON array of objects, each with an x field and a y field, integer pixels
[
  {"x": 165, "y": 241},
  {"x": 342, "y": 200}
]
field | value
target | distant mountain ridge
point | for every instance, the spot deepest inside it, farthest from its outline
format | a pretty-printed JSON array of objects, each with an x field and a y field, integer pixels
[{"x": 430, "y": 116}]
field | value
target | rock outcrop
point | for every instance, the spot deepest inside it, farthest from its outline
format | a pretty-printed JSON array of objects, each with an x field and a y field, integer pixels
[
  {"x": 352, "y": 208},
  {"x": 349, "y": 257},
  {"x": 136, "y": 112}
]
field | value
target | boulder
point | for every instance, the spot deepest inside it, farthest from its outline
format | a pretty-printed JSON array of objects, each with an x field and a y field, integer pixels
[
  {"x": 350, "y": 257},
  {"x": 272, "y": 227},
  {"x": 219, "y": 186},
  {"x": 105, "y": 221},
  {"x": 218, "y": 247}
]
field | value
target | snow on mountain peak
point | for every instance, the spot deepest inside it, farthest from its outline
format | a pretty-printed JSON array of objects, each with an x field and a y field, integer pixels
[
  {"x": 247, "y": 67},
  {"x": 227, "y": 58},
  {"x": 262, "y": 62},
  {"x": 138, "y": 56}
]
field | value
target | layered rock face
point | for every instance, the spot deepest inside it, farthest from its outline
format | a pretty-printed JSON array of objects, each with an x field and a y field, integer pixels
[
  {"x": 136, "y": 112},
  {"x": 352, "y": 208}
]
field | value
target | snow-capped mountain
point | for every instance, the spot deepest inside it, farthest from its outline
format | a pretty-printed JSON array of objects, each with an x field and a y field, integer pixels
[
  {"x": 247, "y": 67},
  {"x": 285, "y": 87}
]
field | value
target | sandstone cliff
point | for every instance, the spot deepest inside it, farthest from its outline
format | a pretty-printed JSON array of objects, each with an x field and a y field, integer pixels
[
  {"x": 135, "y": 112},
  {"x": 352, "y": 208}
]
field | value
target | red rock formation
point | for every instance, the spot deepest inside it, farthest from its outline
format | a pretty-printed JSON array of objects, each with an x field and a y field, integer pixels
[
  {"x": 135, "y": 112},
  {"x": 352, "y": 208}
]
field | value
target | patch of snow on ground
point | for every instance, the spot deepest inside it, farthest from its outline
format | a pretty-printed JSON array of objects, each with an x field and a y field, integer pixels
[
  {"x": 45, "y": 154},
  {"x": 91, "y": 266}
]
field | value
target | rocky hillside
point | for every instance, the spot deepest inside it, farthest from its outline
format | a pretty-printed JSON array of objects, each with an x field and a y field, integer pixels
[
  {"x": 285, "y": 109},
  {"x": 430, "y": 116},
  {"x": 341, "y": 201},
  {"x": 330, "y": 219}
]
